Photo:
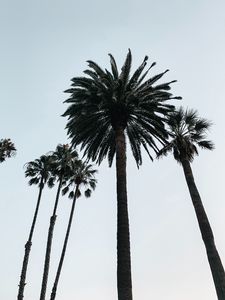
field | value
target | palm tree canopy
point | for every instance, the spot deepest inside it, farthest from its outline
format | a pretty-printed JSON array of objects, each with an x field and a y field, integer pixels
[
  {"x": 41, "y": 168},
  {"x": 82, "y": 174},
  {"x": 107, "y": 101},
  {"x": 62, "y": 156},
  {"x": 7, "y": 149},
  {"x": 188, "y": 132}
]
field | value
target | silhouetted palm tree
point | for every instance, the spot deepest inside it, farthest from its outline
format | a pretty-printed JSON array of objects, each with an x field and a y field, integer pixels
[
  {"x": 188, "y": 132},
  {"x": 7, "y": 149},
  {"x": 105, "y": 108},
  {"x": 40, "y": 171},
  {"x": 62, "y": 156},
  {"x": 82, "y": 175}
]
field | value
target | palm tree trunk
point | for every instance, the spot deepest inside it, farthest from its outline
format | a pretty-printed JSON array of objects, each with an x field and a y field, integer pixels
[
  {"x": 124, "y": 283},
  {"x": 206, "y": 232},
  {"x": 28, "y": 247},
  {"x": 54, "y": 289},
  {"x": 49, "y": 244}
]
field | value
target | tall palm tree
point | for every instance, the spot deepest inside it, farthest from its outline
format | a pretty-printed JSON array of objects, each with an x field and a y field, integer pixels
[
  {"x": 7, "y": 149},
  {"x": 40, "y": 172},
  {"x": 188, "y": 132},
  {"x": 62, "y": 156},
  {"x": 104, "y": 108},
  {"x": 82, "y": 175}
]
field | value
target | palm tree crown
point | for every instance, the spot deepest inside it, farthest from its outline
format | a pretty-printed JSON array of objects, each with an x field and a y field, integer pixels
[
  {"x": 62, "y": 156},
  {"x": 188, "y": 132},
  {"x": 41, "y": 171},
  {"x": 82, "y": 174},
  {"x": 7, "y": 149},
  {"x": 107, "y": 101}
]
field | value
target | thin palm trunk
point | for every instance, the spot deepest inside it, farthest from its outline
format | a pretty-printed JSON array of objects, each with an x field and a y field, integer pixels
[
  {"x": 124, "y": 283},
  {"x": 206, "y": 232},
  {"x": 54, "y": 289},
  {"x": 28, "y": 247},
  {"x": 49, "y": 243}
]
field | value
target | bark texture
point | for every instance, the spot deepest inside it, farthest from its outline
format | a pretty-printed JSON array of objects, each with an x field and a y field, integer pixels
[
  {"x": 49, "y": 244},
  {"x": 124, "y": 283},
  {"x": 54, "y": 289},
  {"x": 28, "y": 247},
  {"x": 206, "y": 232}
]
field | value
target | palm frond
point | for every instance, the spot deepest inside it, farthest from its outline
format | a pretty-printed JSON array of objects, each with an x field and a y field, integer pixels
[
  {"x": 65, "y": 190},
  {"x": 137, "y": 73},
  {"x": 165, "y": 150},
  {"x": 206, "y": 145},
  {"x": 113, "y": 66},
  {"x": 145, "y": 74},
  {"x": 87, "y": 193},
  {"x": 71, "y": 195},
  {"x": 51, "y": 182},
  {"x": 33, "y": 181},
  {"x": 96, "y": 68},
  {"x": 125, "y": 70}
]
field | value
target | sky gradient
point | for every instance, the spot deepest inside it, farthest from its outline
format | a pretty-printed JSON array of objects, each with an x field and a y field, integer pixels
[{"x": 43, "y": 45}]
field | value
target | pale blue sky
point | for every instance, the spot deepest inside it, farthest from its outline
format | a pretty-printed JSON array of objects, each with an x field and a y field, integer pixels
[{"x": 43, "y": 45}]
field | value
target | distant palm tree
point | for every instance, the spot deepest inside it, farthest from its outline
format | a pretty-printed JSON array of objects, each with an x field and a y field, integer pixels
[
  {"x": 188, "y": 132},
  {"x": 7, "y": 149},
  {"x": 82, "y": 175},
  {"x": 103, "y": 109},
  {"x": 62, "y": 157},
  {"x": 40, "y": 171}
]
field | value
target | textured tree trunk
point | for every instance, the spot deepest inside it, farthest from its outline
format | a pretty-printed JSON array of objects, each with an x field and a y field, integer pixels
[
  {"x": 49, "y": 244},
  {"x": 54, "y": 289},
  {"x": 28, "y": 247},
  {"x": 124, "y": 284},
  {"x": 206, "y": 232}
]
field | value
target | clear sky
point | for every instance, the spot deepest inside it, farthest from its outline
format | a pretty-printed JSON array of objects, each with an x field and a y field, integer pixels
[{"x": 43, "y": 45}]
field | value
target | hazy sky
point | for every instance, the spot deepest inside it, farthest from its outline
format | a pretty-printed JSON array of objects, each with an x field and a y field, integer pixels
[{"x": 43, "y": 45}]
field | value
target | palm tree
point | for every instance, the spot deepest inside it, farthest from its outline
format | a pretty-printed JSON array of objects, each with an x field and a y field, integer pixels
[
  {"x": 7, "y": 149},
  {"x": 40, "y": 171},
  {"x": 62, "y": 156},
  {"x": 82, "y": 174},
  {"x": 103, "y": 109},
  {"x": 188, "y": 132}
]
